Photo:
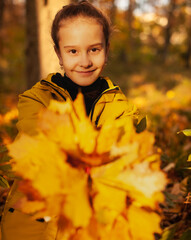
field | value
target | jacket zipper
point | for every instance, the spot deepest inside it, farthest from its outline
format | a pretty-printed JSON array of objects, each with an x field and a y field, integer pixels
[{"x": 93, "y": 106}]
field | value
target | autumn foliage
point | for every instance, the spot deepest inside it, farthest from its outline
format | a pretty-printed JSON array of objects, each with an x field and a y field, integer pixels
[{"x": 93, "y": 183}]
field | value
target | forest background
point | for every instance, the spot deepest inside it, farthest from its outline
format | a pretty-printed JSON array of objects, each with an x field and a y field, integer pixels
[{"x": 150, "y": 59}]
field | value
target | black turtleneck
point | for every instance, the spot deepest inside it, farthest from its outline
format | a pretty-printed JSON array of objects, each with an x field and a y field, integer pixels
[{"x": 91, "y": 92}]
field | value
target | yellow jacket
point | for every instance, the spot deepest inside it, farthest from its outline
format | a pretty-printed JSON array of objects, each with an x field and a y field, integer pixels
[{"x": 15, "y": 224}]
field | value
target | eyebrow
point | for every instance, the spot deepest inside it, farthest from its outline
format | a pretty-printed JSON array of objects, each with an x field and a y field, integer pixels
[{"x": 92, "y": 45}]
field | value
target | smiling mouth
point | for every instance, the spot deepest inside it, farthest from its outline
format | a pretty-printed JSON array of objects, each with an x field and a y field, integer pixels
[{"x": 86, "y": 72}]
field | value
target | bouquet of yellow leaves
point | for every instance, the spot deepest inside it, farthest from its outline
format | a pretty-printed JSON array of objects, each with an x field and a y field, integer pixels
[{"x": 99, "y": 184}]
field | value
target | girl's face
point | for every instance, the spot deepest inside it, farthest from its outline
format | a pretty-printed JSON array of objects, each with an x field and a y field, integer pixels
[{"x": 82, "y": 50}]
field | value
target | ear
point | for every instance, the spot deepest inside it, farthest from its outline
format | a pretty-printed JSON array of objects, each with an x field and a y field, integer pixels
[{"x": 57, "y": 51}]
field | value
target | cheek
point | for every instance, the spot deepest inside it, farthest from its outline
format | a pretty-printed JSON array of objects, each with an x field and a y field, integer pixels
[
  {"x": 69, "y": 62},
  {"x": 100, "y": 60}
]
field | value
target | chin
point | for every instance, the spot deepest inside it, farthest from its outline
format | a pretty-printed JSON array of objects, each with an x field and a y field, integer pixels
[{"x": 85, "y": 84}]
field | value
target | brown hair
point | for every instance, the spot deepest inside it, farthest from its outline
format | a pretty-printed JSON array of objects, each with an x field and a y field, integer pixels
[{"x": 85, "y": 9}]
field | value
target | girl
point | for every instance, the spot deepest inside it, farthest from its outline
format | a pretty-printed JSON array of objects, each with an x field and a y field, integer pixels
[{"x": 80, "y": 33}]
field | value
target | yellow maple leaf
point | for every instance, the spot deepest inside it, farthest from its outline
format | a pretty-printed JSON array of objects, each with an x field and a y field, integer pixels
[
  {"x": 56, "y": 123},
  {"x": 140, "y": 182},
  {"x": 128, "y": 130},
  {"x": 59, "y": 107},
  {"x": 30, "y": 207},
  {"x": 81, "y": 234},
  {"x": 72, "y": 201},
  {"x": 85, "y": 132},
  {"x": 86, "y": 136},
  {"x": 143, "y": 184},
  {"x": 50, "y": 175},
  {"x": 142, "y": 224},
  {"x": 58, "y": 128},
  {"x": 78, "y": 131},
  {"x": 76, "y": 202},
  {"x": 42, "y": 158},
  {"x": 145, "y": 147},
  {"x": 107, "y": 208},
  {"x": 79, "y": 107},
  {"x": 120, "y": 230},
  {"x": 110, "y": 132},
  {"x": 93, "y": 182}
]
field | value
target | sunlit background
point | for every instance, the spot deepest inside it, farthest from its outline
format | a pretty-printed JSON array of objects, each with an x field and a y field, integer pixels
[{"x": 149, "y": 36}]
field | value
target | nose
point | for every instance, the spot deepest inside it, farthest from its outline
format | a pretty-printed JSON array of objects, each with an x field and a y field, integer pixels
[{"x": 85, "y": 60}]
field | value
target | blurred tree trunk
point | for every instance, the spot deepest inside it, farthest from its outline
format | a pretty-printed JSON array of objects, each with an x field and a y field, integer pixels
[
  {"x": 32, "y": 48},
  {"x": 168, "y": 30},
  {"x": 41, "y": 58},
  {"x": 112, "y": 11},
  {"x": 2, "y": 7},
  {"x": 188, "y": 52},
  {"x": 130, "y": 19}
]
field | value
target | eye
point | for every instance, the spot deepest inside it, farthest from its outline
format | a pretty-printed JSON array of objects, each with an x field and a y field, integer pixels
[
  {"x": 73, "y": 51},
  {"x": 94, "y": 50}
]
